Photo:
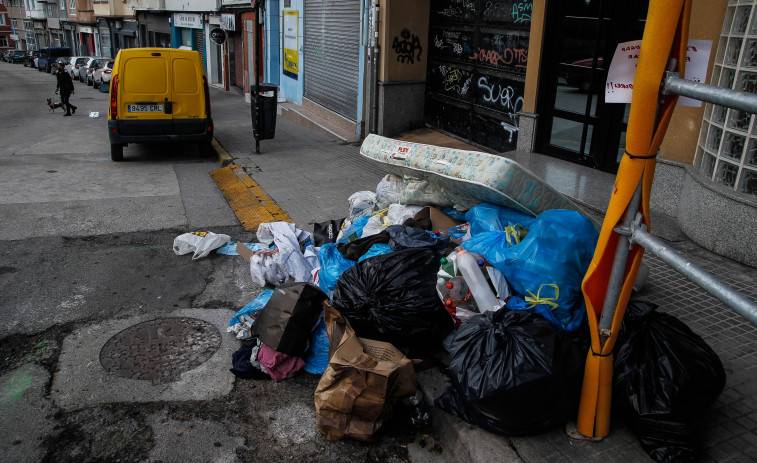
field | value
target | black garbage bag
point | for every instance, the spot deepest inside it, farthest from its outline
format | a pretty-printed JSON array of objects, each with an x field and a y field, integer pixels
[
  {"x": 403, "y": 237},
  {"x": 665, "y": 377},
  {"x": 392, "y": 298},
  {"x": 513, "y": 373}
]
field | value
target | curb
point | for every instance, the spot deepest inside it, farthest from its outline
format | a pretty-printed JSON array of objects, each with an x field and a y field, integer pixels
[{"x": 224, "y": 158}]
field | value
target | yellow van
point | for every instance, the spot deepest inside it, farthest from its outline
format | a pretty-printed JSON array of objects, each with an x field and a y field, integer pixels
[{"x": 158, "y": 95}]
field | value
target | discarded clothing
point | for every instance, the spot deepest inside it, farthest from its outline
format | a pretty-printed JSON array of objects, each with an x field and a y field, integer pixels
[
  {"x": 279, "y": 366},
  {"x": 244, "y": 362},
  {"x": 355, "y": 249}
]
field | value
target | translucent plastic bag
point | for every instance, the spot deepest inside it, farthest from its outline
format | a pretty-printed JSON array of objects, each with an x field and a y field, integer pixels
[
  {"x": 333, "y": 264},
  {"x": 547, "y": 267},
  {"x": 490, "y": 217},
  {"x": 361, "y": 203},
  {"x": 388, "y": 191},
  {"x": 201, "y": 243}
]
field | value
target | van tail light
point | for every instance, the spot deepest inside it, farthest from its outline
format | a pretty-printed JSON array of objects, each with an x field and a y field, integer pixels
[
  {"x": 114, "y": 97},
  {"x": 207, "y": 96},
  {"x": 107, "y": 71}
]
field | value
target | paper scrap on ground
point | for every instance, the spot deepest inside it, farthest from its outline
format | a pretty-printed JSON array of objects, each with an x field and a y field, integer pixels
[{"x": 619, "y": 85}]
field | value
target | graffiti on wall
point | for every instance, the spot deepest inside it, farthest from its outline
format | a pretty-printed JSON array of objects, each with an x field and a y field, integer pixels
[
  {"x": 503, "y": 95},
  {"x": 409, "y": 48},
  {"x": 507, "y": 50},
  {"x": 509, "y": 11},
  {"x": 455, "y": 10}
]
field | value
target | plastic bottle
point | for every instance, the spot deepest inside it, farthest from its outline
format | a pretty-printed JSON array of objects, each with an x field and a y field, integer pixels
[{"x": 474, "y": 277}]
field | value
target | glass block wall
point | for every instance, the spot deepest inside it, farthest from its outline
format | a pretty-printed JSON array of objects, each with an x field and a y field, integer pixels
[{"x": 727, "y": 146}]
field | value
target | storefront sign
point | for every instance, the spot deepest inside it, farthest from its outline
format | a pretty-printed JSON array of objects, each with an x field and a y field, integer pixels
[
  {"x": 228, "y": 22},
  {"x": 85, "y": 29},
  {"x": 291, "y": 38},
  {"x": 14, "y": 37},
  {"x": 192, "y": 21},
  {"x": 217, "y": 36}
]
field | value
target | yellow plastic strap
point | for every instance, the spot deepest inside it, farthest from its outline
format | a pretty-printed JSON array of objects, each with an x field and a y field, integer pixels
[
  {"x": 513, "y": 233},
  {"x": 537, "y": 299}
]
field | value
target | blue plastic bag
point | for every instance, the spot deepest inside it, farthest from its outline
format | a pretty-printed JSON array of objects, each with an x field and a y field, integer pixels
[
  {"x": 333, "y": 264},
  {"x": 317, "y": 356},
  {"x": 486, "y": 217},
  {"x": 230, "y": 248},
  {"x": 376, "y": 250},
  {"x": 255, "y": 306},
  {"x": 547, "y": 267}
]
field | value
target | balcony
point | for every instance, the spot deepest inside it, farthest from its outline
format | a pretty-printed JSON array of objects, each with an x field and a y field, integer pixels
[{"x": 36, "y": 14}]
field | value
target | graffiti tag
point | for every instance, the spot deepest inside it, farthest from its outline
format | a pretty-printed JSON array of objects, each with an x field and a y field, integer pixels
[
  {"x": 509, "y": 57},
  {"x": 407, "y": 47},
  {"x": 504, "y": 96}
]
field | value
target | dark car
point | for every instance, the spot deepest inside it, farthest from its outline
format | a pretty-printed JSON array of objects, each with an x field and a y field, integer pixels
[
  {"x": 18, "y": 56},
  {"x": 580, "y": 75},
  {"x": 29, "y": 58}
]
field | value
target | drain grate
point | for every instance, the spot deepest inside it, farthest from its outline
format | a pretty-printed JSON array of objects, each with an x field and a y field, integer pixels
[{"x": 160, "y": 350}]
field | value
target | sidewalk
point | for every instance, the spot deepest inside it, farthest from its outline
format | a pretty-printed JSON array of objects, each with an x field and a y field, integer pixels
[{"x": 310, "y": 176}]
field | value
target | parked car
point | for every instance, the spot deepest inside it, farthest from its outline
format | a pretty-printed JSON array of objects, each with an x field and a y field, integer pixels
[
  {"x": 29, "y": 59},
  {"x": 580, "y": 75},
  {"x": 48, "y": 56},
  {"x": 98, "y": 63},
  {"x": 102, "y": 74},
  {"x": 18, "y": 56},
  {"x": 6, "y": 55},
  {"x": 158, "y": 95},
  {"x": 84, "y": 68},
  {"x": 73, "y": 65}
]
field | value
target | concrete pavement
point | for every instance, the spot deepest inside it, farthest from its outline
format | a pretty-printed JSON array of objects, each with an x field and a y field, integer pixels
[{"x": 310, "y": 176}]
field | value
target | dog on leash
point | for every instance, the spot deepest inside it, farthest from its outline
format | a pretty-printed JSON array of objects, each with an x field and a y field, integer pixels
[{"x": 54, "y": 106}]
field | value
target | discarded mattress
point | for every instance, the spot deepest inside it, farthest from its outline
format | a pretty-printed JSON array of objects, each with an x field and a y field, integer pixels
[{"x": 461, "y": 178}]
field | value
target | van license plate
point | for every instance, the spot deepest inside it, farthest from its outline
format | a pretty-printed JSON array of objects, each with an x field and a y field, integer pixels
[{"x": 145, "y": 108}]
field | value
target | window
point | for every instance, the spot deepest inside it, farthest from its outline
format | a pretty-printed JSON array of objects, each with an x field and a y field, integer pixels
[
  {"x": 2, "y": 19},
  {"x": 3, "y": 41},
  {"x": 72, "y": 7},
  {"x": 62, "y": 5},
  {"x": 727, "y": 146},
  {"x": 13, "y": 23}
]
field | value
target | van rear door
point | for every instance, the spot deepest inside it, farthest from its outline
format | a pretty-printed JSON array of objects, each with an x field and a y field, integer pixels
[
  {"x": 188, "y": 99},
  {"x": 145, "y": 100}
]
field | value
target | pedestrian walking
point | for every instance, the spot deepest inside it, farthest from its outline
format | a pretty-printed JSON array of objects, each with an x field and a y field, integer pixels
[{"x": 66, "y": 88}]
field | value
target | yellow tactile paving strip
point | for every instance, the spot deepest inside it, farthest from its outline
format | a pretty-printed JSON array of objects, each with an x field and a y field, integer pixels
[{"x": 246, "y": 198}]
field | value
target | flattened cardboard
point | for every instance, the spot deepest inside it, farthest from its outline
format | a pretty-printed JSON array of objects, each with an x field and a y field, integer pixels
[{"x": 244, "y": 251}]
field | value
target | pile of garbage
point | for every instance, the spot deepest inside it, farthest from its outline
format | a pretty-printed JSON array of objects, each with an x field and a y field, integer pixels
[{"x": 498, "y": 289}]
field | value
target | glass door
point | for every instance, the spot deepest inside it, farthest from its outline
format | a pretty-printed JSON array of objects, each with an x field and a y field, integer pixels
[{"x": 581, "y": 36}]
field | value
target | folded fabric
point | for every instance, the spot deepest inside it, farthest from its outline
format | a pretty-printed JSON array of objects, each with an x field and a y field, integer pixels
[
  {"x": 355, "y": 249},
  {"x": 279, "y": 366}
]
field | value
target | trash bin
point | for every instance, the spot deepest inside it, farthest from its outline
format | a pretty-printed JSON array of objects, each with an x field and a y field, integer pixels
[{"x": 265, "y": 99}]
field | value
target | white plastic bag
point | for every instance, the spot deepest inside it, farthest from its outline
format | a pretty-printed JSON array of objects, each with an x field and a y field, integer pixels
[
  {"x": 361, "y": 203},
  {"x": 201, "y": 243},
  {"x": 376, "y": 224},
  {"x": 398, "y": 213},
  {"x": 265, "y": 267},
  {"x": 388, "y": 191}
]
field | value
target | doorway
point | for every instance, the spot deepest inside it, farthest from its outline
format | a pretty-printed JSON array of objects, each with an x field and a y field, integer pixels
[{"x": 580, "y": 40}]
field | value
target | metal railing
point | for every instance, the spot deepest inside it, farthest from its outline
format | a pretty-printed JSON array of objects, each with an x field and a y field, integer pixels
[{"x": 637, "y": 232}]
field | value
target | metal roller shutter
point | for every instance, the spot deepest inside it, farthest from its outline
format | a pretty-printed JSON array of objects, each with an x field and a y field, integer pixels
[
  {"x": 198, "y": 40},
  {"x": 332, "y": 54}
]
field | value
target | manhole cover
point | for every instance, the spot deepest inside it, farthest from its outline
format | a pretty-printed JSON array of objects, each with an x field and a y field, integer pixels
[{"x": 160, "y": 350}]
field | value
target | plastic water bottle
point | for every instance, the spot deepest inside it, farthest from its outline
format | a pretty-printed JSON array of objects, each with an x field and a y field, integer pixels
[{"x": 474, "y": 277}]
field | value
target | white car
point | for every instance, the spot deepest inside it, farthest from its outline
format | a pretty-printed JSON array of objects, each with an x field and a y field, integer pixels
[
  {"x": 72, "y": 68},
  {"x": 101, "y": 76}
]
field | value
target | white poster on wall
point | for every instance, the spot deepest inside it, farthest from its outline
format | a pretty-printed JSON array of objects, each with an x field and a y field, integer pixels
[{"x": 619, "y": 85}]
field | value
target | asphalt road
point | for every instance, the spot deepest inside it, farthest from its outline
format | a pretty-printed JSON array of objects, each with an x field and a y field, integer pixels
[{"x": 86, "y": 252}]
